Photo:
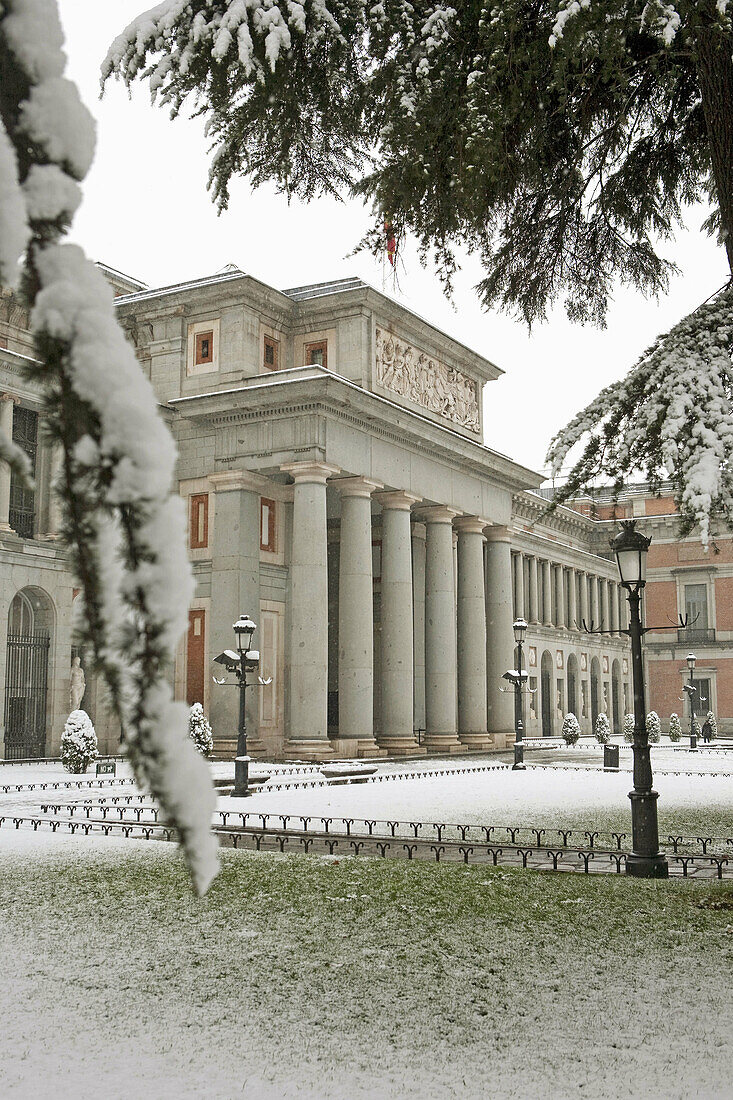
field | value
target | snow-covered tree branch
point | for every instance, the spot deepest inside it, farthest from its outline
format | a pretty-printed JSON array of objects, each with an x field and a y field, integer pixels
[
  {"x": 671, "y": 418},
  {"x": 123, "y": 528}
]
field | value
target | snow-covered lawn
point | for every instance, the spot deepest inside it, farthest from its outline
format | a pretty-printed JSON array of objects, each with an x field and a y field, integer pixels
[
  {"x": 354, "y": 978},
  {"x": 541, "y": 798}
]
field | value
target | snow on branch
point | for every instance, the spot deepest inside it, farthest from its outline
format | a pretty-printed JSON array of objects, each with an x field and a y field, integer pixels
[
  {"x": 124, "y": 530},
  {"x": 670, "y": 418}
]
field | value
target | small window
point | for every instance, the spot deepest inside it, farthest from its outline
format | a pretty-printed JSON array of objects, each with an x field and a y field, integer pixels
[
  {"x": 267, "y": 525},
  {"x": 199, "y": 535},
  {"x": 316, "y": 355},
  {"x": 204, "y": 347},
  {"x": 272, "y": 353}
]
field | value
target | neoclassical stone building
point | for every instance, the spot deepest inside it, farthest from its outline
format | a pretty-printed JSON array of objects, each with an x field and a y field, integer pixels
[{"x": 339, "y": 490}]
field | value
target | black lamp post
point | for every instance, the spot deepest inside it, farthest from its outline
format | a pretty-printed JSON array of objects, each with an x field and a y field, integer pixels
[
  {"x": 646, "y": 860},
  {"x": 520, "y": 631},
  {"x": 244, "y": 628},
  {"x": 691, "y": 691}
]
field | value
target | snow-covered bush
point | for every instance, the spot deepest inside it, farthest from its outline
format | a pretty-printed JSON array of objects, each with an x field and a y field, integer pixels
[
  {"x": 629, "y": 728},
  {"x": 603, "y": 729},
  {"x": 78, "y": 742},
  {"x": 653, "y": 727},
  {"x": 122, "y": 527},
  {"x": 571, "y": 729},
  {"x": 675, "y": 727},
  {"x": 199, "y": 730},
  {"x": 713, "y": 724}
]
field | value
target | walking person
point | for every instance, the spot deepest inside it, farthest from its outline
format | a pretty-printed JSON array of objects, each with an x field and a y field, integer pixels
[{"x": 707, "y": 731}]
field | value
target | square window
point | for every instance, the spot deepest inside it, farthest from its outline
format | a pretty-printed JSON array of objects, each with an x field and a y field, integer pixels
[
  {"x": 199, "y": 519},
  {"x": 267, "y": 525},
  {"x": 316, "y": 355},
  {"x": 204, "y": 347},
  {"x": 272, "y": 349}
]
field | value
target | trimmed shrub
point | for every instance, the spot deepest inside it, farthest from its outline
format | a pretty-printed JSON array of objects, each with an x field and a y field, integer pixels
[
  {"x": 675, "y": 727},
  {"x": 571, "y": 729},
  {"x": 653, "y": 727},
  {"x": 713, "y": 724},
  {"x": 199, "y": 730},
  {"x": 603, "y": 729},
  {"x": 629, "y": 728},
  {"x": 78, "y": 742}
]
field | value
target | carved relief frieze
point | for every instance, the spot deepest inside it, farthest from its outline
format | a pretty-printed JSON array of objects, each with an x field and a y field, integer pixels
[{"x": 409, "y": 372}]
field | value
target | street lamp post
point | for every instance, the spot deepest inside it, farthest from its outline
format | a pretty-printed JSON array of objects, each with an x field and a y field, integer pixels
[
  {"x": 244, "y": 628},
  {"x": 520, "y": 630},
  {"x": 691, "y": 691},
  {"x": 645, "y": 860}
]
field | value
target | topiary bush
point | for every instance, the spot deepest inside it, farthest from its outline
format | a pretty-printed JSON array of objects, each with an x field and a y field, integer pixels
[
  {"x": 653, "y": 727},
  {"x": 713, "y": 724},
  {"x": 78, "y": 742},
  {"x": 629, "y": 728},
  {"x": 571, "y": 729},
  {"x": 199, "y": 730},
  {"x": 603, "y": 729},
  {"x": 675, "y": 727}
]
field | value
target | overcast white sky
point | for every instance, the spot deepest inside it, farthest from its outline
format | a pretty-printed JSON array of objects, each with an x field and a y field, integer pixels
[{"x": 147, "y": 212}]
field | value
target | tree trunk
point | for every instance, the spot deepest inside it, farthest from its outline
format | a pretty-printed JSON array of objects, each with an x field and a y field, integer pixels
[{"x": 714, "y": 62}]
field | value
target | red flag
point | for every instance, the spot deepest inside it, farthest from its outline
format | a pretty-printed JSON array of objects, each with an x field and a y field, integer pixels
[{"x": 391, "y": 241}]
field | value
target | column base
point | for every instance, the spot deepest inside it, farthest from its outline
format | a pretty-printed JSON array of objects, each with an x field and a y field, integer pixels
[
  {"x": 401, "y": 746},
  {"x": 6, "y": 529},
  {"x": 501, "y": 740},
  {"x": 647, "y": 866},
  {"x": 312, "y": 749},
  {"x": 356, "y": 748},
  {"x": 440, "y": 743},
  {"x": 480, "y": 741}
]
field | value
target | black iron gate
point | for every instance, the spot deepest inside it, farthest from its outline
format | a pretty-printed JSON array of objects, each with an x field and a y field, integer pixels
[{"x": 26, "y": 685}]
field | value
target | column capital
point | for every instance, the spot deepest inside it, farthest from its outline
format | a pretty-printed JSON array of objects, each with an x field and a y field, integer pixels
[
  {"x": 356, "y": 486},
  {"x": 469, "y": 525},
  {"x": 10, "y": 397},
  {"x": 314, "y": 472},
  {"x": 496, "y": 533},
  {"x": 398, "y": 499},
  {"x": 438, "y": 513}
]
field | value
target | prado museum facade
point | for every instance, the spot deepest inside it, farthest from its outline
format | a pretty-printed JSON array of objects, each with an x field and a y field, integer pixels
[{"x": 339, "y": 491}]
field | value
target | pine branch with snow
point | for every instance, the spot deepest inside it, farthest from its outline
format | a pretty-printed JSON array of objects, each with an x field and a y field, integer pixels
[
  {"x": 124, "y": 530},
  {"x": 670, "y": 418}
]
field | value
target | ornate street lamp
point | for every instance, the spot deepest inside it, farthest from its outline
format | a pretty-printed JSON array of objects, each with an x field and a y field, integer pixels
[
  {"x": 646, "y": 860},
  {"x": 244, "y": 660},
  {"x": 691, "y": 691},
  {"x": 517, "y": 677}
]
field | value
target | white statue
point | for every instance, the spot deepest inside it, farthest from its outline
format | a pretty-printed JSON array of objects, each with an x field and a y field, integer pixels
[{"x": 77, "y": 685}]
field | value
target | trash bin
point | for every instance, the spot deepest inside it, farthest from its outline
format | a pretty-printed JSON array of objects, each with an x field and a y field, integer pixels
[{"x": 610, "y": 758}]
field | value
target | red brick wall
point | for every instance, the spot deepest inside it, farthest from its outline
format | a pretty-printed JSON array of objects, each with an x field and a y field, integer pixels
[
  {"x": 660, "y": 599},
  {"x": 664, "y": 688},
  {"x": 659, "y": 506},
  {"x": 724, "y": 681}
]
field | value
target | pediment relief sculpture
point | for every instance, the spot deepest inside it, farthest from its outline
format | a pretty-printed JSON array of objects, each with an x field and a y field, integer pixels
[{"x": 409, "y": 372}]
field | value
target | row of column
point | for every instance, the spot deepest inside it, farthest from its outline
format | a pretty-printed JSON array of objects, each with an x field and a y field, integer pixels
[
  {"x": 464, "y": 636},
  {"x": 579, "y": 596}
]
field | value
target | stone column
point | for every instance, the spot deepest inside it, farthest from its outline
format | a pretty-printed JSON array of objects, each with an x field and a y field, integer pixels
[
  {"x": 499, "y": 634},
  {"x": 605, "y": 618},
  {"x": 440, "y": 638},
  {"x": 7, "y": 402},
  {"x": 613, "y": 605},
  {"x": 54, "y": 504},
  {"x": 309, "y": 612},
  {"x": 235, "y": 591},
  {"x": 533, "y": 602},
  {"x": 519, "y": 608},
  {"x": 418, "y": 621},
  {"x": 573, "y": 601},
  {"x": 583, "y": 610},
  {"x": 471, "y": 616},
  {"x": 397, "y": 668},
  {"x": 560, "y": 596},
  {"x": 356, "y": 618},
  {"x": 546, "y": 594},
  {"x": 593, "y": 607}
]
